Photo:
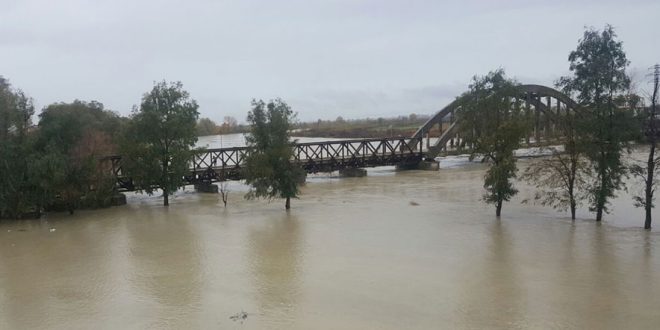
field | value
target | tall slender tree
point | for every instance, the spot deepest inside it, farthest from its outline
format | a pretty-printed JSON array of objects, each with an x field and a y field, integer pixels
[
  {"x": 495, "y": 128},
  {"x": 648, "y": 172},
  {"x": 599, "y": 81},
  {"x": 160, "y": 138},
  {"x": 269, "y": 169}
]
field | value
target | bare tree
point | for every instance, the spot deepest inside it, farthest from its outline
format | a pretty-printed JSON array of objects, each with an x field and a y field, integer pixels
[
  {"x": 561, "y": 178},
  {"x": 648, "y": 172}
]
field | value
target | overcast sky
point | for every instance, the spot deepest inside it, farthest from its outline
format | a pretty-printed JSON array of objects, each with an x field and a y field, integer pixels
[{"x": 330, "y": 58}]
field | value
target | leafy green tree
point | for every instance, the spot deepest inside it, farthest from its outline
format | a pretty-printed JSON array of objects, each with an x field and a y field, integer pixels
[
  {"x": 495, "y": 128},
  {"x": 160, "y": 138},
  {"x": 599, "y": 83},
  {"x": 269, "y": 169}
]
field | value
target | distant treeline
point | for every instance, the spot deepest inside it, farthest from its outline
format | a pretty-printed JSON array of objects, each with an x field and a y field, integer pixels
[
  {"x": 206, "y": 126},
  {"x": 362, "y": 128}
]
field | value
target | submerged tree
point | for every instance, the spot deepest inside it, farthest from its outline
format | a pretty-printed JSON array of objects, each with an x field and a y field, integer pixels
[
  {"x": 648, "y": 172},
  {"x": 495, "y": 129},
  {"x": 159, "y": 140},
  {"x": 269, "y": 169},
  {"x": 599, "y": 82},
  {"x": 562, "y": 177}
]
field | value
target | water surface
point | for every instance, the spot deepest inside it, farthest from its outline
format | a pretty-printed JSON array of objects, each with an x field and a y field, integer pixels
[{"x": 413, "y": 250}]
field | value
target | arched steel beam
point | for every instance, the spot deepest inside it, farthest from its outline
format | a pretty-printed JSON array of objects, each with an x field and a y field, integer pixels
[{"x": 537, "y": 91}]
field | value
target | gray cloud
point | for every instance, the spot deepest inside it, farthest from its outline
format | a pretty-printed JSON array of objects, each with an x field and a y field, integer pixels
[{"x": 326, "y": 58}]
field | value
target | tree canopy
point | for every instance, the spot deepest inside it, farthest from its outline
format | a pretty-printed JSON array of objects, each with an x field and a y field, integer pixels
[{"x": 269, "y": 169}]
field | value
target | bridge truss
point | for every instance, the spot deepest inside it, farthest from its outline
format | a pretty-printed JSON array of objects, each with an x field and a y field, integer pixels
[{"x": 212, "y": 165}]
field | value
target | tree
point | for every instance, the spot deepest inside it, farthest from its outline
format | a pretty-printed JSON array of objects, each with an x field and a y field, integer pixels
[
  {"x": 17, "y": 194},
  {"x": 206, "y": 126},
  {"x": 229, "y": 124},
  {"x": 495, "y": 128},
  {"x": 561, "y": 177},
  {"x": 72, "y": 137},
  {"x": 599, "y": 81},
  {"x": 159, "y": 139},
  {"x": 269, "y": 169},
  {"x": 647, "y": 173}
]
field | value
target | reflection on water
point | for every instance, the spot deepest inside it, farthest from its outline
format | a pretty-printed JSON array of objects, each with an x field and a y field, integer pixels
[
  {"x": 175, "y": 291},
  {"x": 493, "y": 296},
  {"x": 275, "y": 259},
  {"x": 353, "y": 253}
]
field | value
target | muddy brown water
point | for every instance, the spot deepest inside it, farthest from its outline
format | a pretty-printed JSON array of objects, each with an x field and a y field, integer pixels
[{"x": 394, "y": 250}]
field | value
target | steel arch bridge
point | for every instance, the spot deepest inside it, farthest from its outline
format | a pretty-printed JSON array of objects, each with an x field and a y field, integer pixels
[{"x": 543, "y": 103}]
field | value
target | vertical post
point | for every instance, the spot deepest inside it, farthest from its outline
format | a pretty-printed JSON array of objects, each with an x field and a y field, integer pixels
[
  {"x": 428, "y": 140},
  {"x": 558, "y": 121},
  {"x": 537, "y": 119},
  {"x": 548, "y": 121},
  {"x": 527, "y": 110},
  {"x": 451, "y": 122}
]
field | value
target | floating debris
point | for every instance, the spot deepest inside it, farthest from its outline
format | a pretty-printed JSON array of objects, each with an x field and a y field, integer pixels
[
  {"x": 413, "y": 203},
  {"x": 52, "y": 230},
  {"x": 242, "y": 316}
]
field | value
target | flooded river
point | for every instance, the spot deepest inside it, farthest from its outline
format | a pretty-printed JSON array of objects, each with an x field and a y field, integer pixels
[{"x": 393, "y": 250}]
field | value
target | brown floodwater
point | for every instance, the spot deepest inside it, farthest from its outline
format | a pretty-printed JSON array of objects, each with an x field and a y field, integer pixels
[{"x": 394, "y": 250}]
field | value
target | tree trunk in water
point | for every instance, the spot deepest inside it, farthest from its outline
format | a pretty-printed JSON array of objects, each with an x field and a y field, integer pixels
[
  {"x": 572, "y": 210},
  {"x": 601, "y": 199},
  {"x": 166, "y": 195},
  {"x": 498, "y": 208},
  {"x": 287, "y": 205},
  {"x": 650, "y": 167}
]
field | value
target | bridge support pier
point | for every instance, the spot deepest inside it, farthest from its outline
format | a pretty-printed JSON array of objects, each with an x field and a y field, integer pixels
[
  {"x": 352, "y": 172},
  {"x": 428, "y": 165},
  {"x": 206, "y": 187},
  {"x": 424, "y": 165}
]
